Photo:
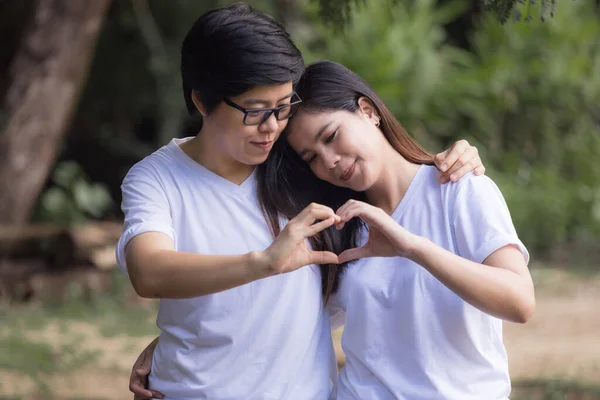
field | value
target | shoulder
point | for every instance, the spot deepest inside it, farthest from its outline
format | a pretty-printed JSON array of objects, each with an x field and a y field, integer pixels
[
  {"x": 151, "y": 167},
  {"x": 472, "y": 188}
]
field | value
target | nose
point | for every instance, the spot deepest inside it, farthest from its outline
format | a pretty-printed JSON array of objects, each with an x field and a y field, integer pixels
[
  {"x": 270, "y": 125},
  {"x": 330, "y": 160}
]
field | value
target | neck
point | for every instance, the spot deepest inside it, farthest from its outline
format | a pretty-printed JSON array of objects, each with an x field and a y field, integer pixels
[
  {"x": 205, "y": 152},
  {"x": 393, "y": 182}
]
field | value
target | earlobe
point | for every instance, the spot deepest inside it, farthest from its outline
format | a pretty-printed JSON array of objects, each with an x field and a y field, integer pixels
[{"x": 199, "y": 106}]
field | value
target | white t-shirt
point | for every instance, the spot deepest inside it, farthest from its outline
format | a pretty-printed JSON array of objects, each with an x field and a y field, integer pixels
[
  {"x": 409, "y": 337},
  {"x": 266, "y": 340}
]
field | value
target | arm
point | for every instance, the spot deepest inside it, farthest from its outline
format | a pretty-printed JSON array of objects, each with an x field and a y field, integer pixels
[
  {"x": 501, "y": 286},
  {"x": 146, "y": 250},
  {"x": 490, "y": 270},
  {"x": 156, "y": 270}
]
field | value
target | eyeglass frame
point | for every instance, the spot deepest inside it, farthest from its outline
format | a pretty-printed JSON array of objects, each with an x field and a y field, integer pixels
[{"x": 267, "y": 112}]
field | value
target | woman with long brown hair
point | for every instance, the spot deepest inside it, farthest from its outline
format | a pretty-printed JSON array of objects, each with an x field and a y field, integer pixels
[{"x": 432, "y": 269}]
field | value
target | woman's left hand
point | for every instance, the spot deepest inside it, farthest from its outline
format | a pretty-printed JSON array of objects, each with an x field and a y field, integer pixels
[
  {"x": 386, "y": 237},
  {"x": 460, "y": 159}
]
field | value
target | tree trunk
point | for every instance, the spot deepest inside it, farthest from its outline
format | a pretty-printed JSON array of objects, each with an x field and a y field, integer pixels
[{"x": 47, "y": 75}]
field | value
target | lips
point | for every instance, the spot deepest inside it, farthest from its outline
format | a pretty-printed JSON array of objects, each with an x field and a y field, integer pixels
[
  {"x": 263, "y": 145},
  {"x": 348, "y": 172}
]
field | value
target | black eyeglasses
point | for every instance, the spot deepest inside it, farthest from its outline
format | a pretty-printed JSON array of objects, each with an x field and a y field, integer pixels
[{"x": 256, "y": 116}]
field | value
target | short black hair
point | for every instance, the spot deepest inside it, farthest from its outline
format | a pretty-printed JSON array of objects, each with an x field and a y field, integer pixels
[{"x": 230, "y": 50}]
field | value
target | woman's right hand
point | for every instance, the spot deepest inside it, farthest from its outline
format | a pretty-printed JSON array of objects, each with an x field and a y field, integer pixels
[
  {"x": 138, "y": 382},
  {"x": 289, "y": 251}
]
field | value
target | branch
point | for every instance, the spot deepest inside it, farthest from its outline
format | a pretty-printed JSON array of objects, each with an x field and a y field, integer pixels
[{"x": 150, "y": 33}]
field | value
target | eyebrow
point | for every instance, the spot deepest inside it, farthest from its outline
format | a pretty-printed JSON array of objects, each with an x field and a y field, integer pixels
[
  {"x": 317, "y": 137},
  {"x": 251, "y": 102}
]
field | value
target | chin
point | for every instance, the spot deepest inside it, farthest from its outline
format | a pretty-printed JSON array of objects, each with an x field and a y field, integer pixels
[
  {"x": 361, "y": 186},
  {"x": 253, "y": 161}
]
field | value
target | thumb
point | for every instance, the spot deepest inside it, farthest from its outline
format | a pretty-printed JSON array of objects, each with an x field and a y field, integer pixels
[
  {"x": 143, "y": 371},
  {"x": 323, "y": 257},
  {"x": 353, "y": 254},
  {"x": 440, "y": 158}
]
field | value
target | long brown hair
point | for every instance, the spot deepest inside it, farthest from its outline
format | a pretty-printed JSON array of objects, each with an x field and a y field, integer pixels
[{"x": 287, "y": 185}]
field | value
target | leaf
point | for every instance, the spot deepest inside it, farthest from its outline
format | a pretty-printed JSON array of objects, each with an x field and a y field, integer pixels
[
  {"x": 93, "y": 199},
  {"x": 66, "y": 173},
  {"x": 55, "y": 200}
]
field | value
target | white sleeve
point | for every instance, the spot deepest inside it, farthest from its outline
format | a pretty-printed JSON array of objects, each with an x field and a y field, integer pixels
[
  {"x": 337, "y": 316},
  {"x": 145, "y": 206},
  {"x": 481, "y": 220}
]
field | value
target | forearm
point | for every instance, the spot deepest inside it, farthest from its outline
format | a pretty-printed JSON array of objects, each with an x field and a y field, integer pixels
[
  {"x": 174, "y": 274},
  {"x": 496, "y": 291}
]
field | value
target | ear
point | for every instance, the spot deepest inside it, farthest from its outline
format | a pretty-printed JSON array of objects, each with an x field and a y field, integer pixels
[
  {"x": 367, "y": 108},
  {"x": 199, "y": 106}
]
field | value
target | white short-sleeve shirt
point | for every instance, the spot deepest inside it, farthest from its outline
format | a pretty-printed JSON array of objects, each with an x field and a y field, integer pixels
[
  {"x": 409, "y": 337},
  {"x": 269, "y": 339}
]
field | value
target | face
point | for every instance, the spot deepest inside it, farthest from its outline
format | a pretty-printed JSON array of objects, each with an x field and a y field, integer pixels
[
  {"x": 248, "y": 144},
  {"x": 341, "y": 147}
]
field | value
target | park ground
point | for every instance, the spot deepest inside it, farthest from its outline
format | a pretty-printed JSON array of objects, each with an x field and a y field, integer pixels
[{"x": 84, "y": 350}]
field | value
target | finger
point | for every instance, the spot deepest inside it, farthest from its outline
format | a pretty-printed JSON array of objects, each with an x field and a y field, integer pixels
[
  {"x": 350, "y": 212},
  {"x": 353, "y": 254},
  {"x": 469, "y": 157},
  {"x": 140, "y": 391},
  {"x": 138, "y": 383},
  {"x": 480, "y": 170},
  {"x": 440, "y": 158},
  {"x": 323, "y": 257},
  {"x": 318, "y": 214},
  {"x": 348, "y": 209},
  {"x": 363, "y": 211},
  {"x": 453, "y": 154},
  {"x": 154, "y": 395},
  {"x": 308, "y": 210},
  {"x": 461, "y": 172},
  {"x": 319, "y": 226}
]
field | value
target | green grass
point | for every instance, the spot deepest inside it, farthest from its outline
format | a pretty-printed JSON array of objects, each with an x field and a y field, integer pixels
[
  {"x": 541, "y": 389},
  {"x": 109, "y": 312}
]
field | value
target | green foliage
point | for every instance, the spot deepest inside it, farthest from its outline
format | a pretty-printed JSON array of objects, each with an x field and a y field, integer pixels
[
  {"x": 72, "y": 198},
  {"x": 338, "y": 13},
  {"x": 527, "y": 96}
]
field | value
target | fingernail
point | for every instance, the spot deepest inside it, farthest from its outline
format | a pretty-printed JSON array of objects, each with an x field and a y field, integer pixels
[
  {"x": 453, "y": 177},
  {"x": 444, "y": 167}
]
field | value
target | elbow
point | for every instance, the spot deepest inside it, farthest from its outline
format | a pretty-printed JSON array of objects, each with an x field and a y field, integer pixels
[
  {"x": 145, "y": 292},
  {"x": 142, "y": 284},
  {"x": 525, "y": 310}
]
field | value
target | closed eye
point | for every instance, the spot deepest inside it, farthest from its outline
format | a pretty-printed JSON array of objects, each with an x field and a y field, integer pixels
[
  {"x": 331, "y": 137},
  {"x": 311, "y": 159}
]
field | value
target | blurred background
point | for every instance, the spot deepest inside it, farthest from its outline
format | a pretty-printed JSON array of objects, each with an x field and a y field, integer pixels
[{"x": 89, "y": 88}]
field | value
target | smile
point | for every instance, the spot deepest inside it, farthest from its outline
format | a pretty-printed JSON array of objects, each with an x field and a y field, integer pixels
[{"x": 348, "y": 172}]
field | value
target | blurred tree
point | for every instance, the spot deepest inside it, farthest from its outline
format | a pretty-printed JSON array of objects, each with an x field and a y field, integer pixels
[
  {"x": 46, "y": 75},
  {"x": 337, "y": 12}
]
